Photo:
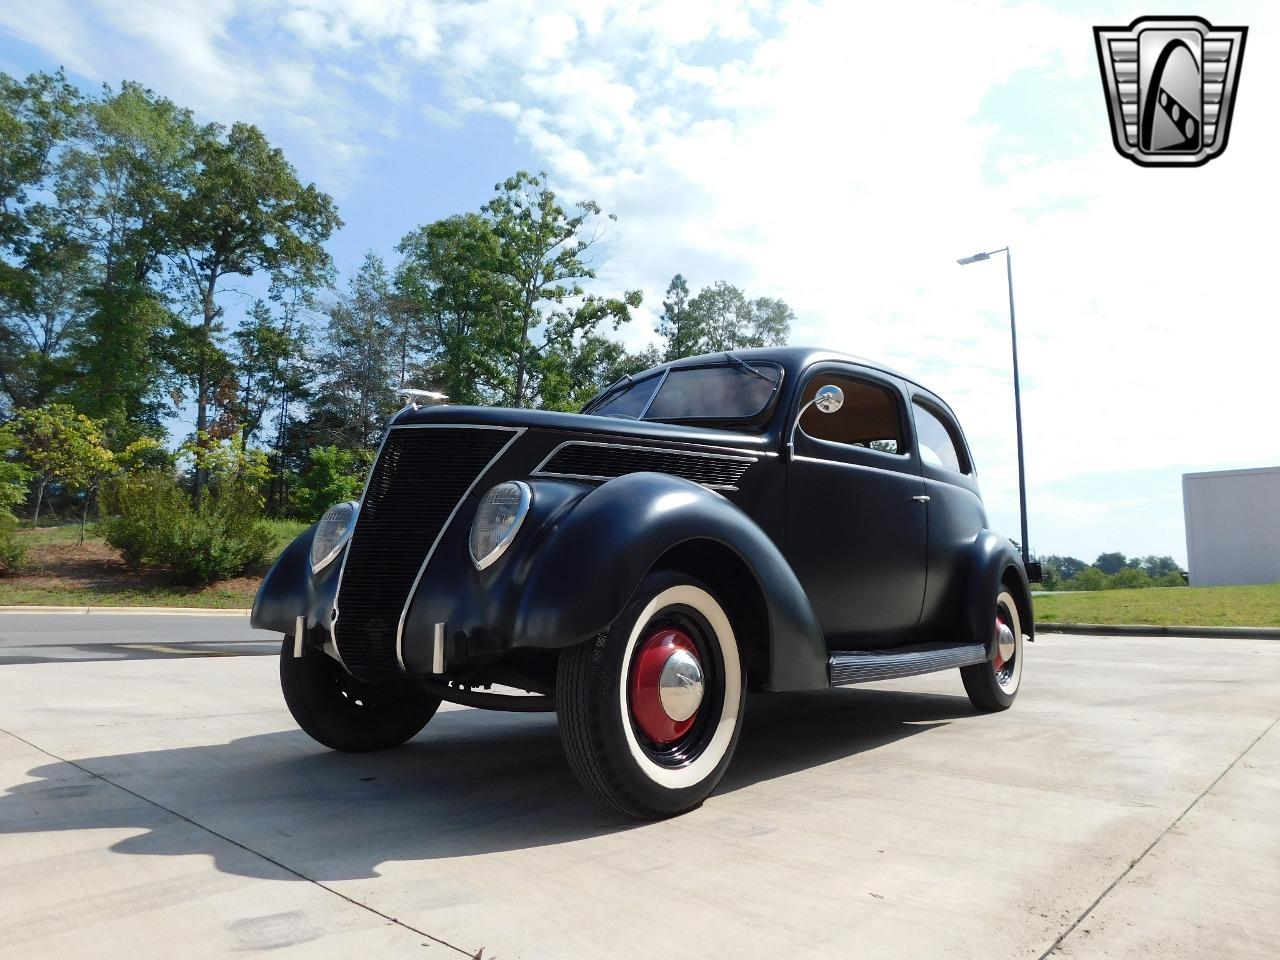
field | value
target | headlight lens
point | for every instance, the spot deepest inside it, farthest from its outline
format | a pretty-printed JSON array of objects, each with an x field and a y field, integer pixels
[
  {"x": 332, "y": 532},
  {"x": 497, "y": 521}
]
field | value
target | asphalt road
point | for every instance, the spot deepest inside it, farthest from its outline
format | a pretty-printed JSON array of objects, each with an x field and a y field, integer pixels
[
  {"x": 43, "y": 637},
  {"x": 1124, "y": 808}
]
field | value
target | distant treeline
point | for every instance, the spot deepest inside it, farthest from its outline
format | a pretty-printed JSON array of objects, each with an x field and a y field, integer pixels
[{"x": 1110, "y": 571}]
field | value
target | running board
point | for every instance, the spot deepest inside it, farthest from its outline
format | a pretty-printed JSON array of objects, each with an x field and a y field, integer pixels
[{"x": 867, "y": 665}]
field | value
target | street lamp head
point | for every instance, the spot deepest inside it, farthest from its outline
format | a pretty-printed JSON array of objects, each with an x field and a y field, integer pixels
[{"x": 974, "y": 259}]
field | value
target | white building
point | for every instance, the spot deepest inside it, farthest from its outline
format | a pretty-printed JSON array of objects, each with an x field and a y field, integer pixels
[{"x": 1233, "y": 526}]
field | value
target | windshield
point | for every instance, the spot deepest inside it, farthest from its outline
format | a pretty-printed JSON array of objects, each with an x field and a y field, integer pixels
[{"x": 735, "y": 391}]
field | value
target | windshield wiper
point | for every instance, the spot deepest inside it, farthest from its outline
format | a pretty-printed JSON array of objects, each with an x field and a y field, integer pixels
[{"x": 747, "y": 367}]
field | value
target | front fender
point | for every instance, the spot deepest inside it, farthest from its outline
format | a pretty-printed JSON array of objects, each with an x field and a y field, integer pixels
[
  {"x": 289, "y": 590},
  {"x": 992, "y": 557},
  {"x": 586, "y": 571}
]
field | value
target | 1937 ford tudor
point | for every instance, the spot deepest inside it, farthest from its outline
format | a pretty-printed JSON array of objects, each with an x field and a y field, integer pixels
[{"x": 779, "y": 519}]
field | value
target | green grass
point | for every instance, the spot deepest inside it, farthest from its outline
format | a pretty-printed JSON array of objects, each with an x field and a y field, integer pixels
[
  {"x": 233, "y": 597},
  {"x": 95, "y": 583},
  {"x": 1167, "y": 606}
]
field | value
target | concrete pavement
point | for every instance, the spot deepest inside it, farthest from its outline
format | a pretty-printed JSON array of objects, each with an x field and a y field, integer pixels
[
  {"x": 41, "y": 637},
  {"x": 1125, "y": 807}
]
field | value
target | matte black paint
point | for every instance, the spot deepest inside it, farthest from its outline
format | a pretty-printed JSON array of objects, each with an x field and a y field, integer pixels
[{"x": 882, "y": 569}]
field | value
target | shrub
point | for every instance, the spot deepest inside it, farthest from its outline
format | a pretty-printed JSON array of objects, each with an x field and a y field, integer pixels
[
  {"x": 332, "y": 475},
  {"x": 1129, "y": 578},
  {"x": 13, "y": 490},
  {"x": 153, "y": 523},
  {"x": 11, "y": 551},
  {"x": 1090, "y": 578}
]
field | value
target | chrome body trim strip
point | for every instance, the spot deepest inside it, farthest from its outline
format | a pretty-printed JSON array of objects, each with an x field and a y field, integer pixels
[
  {"x": 515, "y": 432},
  {"x": 868, "y": 666}
]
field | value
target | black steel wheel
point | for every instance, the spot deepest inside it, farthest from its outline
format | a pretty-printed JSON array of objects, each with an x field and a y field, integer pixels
[
  {"x": 343, "y": 713},
  {"x": 993, "y": 685},
  {"x": 650, "y": 712}
]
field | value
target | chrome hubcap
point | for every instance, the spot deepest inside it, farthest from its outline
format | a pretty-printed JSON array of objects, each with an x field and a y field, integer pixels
[
  {"x": 680, "y": 685},
  {"x": 1006, "y": 651},
  {"x": 666, "y": 686}
]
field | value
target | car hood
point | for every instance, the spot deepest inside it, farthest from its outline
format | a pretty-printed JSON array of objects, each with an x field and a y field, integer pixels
[{"x": 583, "y": 423}]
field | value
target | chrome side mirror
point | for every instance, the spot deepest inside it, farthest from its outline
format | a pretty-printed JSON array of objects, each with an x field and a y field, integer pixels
[{"x": 828, "y": 399}]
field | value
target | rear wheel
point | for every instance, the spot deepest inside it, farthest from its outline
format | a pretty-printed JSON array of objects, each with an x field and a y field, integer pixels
[
  {"x": 344, "y": 713},
  {"x": 993, "y": 685},
  {"x": 650, "y": 712}
]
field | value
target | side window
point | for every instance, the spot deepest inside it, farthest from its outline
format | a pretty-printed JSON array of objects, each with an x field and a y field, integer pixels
[
  {"x": 937, "y": 444},
  {"x": 868, "y": 418}
]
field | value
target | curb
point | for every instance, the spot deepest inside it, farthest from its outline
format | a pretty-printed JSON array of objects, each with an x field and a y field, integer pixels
[
  {"x": 1149, "y": 630},
  {"x": 140, "y": 611}
]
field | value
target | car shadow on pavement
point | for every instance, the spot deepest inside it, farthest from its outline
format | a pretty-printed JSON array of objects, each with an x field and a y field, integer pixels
[{"x": 473, "y": 782}]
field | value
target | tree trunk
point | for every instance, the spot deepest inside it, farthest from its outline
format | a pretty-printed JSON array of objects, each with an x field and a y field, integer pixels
[
  {"x": 35, "y": 510},
  {"x": 202, "y": 388},
  {"x": 524, "y": 349}
]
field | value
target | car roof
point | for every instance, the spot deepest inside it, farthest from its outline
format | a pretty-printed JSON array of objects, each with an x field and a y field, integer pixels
[{"x": 793, "y": 360}]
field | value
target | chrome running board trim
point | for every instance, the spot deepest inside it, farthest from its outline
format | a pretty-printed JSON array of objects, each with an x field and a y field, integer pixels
[{"x": 869, "y": 665}]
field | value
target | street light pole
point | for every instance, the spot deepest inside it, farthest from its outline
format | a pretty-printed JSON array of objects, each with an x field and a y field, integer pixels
[{"x": 1017, "y": 397}]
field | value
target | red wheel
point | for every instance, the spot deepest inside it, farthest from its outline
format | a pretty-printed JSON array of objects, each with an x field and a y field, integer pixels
[{"x": 666, "y": 685}]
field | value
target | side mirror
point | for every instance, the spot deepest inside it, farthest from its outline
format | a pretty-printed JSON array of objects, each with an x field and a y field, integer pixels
[{"x": 829, "y": 399}]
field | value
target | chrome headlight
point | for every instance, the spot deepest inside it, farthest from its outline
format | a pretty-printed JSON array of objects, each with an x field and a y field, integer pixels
[
  {"x": 332, "y": 533},
  {"x": 497, "y": 521}
]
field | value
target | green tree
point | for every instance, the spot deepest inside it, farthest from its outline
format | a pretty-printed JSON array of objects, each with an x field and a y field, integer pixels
[
  {"x": 332, "y": 475},
  {"x": 573, "y": 376},
  {"x": 676, "y": 324},
  {"x": 1129, "y": 578},
  {"x": 449, "y": 286},
  {"x": 1090, "y": 578},
  {"x": 1157, "y": 567},
  {"x": 1066, "y": 567},
  {"x": 41, "y": 268},
  {"x": 720, "y": 318},
  {"x": 64, "y": 445},
  {"x": 13, "y": 491},
  {"x": 115, "y": 190},
  {"x": 243, "y": 211},
  {"x": 37, "y": 116},
  {"x": 542, "y": 248},
  {"x": 1110, "y": 563},
  {"x": 356, "y": 396}
]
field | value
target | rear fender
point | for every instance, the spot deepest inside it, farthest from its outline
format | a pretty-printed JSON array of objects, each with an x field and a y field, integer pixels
[{"x": 995, "y": 560}]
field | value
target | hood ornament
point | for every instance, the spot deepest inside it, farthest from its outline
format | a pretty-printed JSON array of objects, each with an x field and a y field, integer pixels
[{"x": 415, "y": 398}]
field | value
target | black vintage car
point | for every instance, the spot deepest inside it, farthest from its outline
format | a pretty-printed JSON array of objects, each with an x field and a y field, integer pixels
[{"x": 779, "y": 519}]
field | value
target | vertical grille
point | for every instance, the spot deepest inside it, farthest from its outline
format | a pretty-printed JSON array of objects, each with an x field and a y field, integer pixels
[{"x": 420, "y": 476}]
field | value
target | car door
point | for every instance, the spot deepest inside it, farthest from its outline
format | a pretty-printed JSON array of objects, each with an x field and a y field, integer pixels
[
  {"x": 956, "y": 513},
  {"x": 857, "y": 525}
]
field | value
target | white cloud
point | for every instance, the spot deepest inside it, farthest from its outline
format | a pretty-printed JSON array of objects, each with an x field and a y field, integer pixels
[{"x": 830, "y": 154}]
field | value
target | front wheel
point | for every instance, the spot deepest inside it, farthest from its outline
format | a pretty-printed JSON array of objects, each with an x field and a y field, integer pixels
[
  {"x": 344, "y": 713},
  {"x": 650, "y": 712},
  {"x": 993, "y": 685}
]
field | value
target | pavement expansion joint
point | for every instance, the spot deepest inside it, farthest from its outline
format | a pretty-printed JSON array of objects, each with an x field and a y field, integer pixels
[
  {"x": 236, "y": 843},
  {"x": 1152, "y": 845}
]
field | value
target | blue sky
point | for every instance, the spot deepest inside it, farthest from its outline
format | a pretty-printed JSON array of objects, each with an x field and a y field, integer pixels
[{"x": 831, "y": 154}]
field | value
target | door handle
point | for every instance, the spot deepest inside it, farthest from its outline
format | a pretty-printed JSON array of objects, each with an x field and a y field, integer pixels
[{"x": 921, "y": 498}]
